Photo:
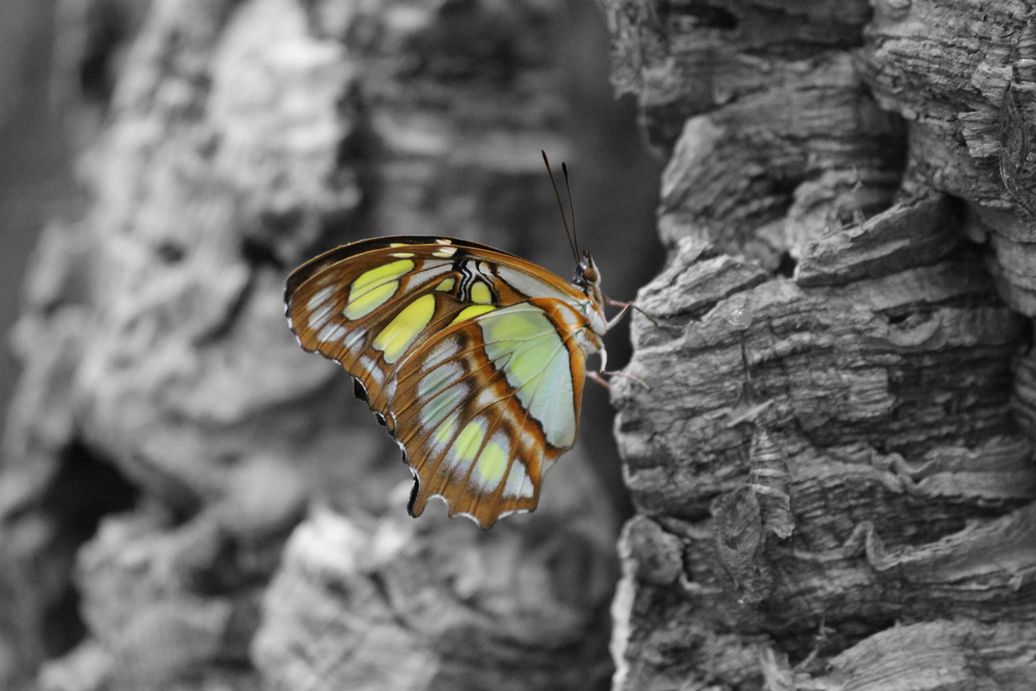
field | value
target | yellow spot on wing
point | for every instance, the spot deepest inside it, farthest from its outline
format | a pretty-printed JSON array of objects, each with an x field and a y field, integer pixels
[
  {"x": 481, "y": 294},
  {"x": 445, "y": 285},
  {"x": 465, "y": 448},
  {"x": 492, "y": 463},
  {"x": 444, "y": 432},
  {"x": 373, "y": 287},
  {"x": 472, "y": 311},
  {"x": 367, "y": 302},
  {"x": 399, "y": 333},
  {"x": 390, "y": 271}
]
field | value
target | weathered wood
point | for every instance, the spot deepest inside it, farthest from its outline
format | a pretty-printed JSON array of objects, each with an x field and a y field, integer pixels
[
  {"x": 894, "y": 415},
  {"x": 890, "y": 403},
  {"x": 970, "y": 104}
]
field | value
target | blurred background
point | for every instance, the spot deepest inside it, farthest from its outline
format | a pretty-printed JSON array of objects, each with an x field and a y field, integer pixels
[
  {"x": 35, "y": 169},
  {"x": 187, "y": 500}
]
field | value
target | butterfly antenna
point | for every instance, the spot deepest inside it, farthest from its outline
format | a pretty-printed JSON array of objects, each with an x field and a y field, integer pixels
[
  {"x": 561, "y": 207},
  {"x": 571, "y": 209}
]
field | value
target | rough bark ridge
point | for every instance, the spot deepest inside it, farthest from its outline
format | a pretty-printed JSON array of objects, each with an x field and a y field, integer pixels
[
  {"x": 848, "y": 200},
  {"x": 234, "y": 139}
]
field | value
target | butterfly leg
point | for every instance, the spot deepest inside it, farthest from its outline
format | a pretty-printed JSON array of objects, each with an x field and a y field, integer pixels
[
  {"x": 603, "y": 371},
  {"x": 599, "y": 377},
  {"x": 622, "y": 313},
  {"x": 631, "y": 305}
]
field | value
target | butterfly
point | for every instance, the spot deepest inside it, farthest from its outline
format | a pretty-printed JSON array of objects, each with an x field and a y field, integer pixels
[{"x": 473, "y": 358}]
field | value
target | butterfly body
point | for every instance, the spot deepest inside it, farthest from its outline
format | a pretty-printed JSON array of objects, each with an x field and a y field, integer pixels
[{"x": 473, "y": 359}]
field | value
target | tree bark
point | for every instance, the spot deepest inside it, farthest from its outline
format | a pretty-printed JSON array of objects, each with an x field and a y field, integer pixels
[
  {"x": 188, "y": 500},
  {"x": 828, "y": 437},
  {"x": 830, "y": 445}
]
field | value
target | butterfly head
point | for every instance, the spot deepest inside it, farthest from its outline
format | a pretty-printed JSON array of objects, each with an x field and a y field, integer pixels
[{"x": 588, "y": 277}]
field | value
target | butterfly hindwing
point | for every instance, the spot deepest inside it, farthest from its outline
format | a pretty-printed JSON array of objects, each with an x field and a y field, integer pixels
[
  {"x": 467, "y": 354},
  {"x": 486, "y": 405}
]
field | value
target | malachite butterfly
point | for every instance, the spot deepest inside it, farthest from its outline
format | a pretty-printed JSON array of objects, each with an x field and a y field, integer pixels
[{"x": 472, "y": 358}]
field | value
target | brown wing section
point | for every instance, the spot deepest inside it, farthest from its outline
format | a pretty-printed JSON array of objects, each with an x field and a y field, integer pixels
[
  {"x": 535, "y": 281},
  {"x": 468, "y": 436},
  {"x": 401, "y": 313},
  {"x": 399, "y": 270}
]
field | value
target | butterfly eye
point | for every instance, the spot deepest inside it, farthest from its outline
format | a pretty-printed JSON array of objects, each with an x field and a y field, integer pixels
[{"x": 586, "y": 275}]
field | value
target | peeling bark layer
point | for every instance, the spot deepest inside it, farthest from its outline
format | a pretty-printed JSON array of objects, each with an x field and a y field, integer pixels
[
  {"x": 970, "y": 108},
  {"x": 830, "y": 445}
]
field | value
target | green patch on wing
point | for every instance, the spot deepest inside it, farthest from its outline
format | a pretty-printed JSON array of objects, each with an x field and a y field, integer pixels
[{"x": 525, "y": 345}]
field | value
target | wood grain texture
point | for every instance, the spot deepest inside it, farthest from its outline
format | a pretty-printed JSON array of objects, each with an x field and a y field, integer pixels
[
  {"x": 837, "y": 202},
  {"x": 970, "y": 104}
]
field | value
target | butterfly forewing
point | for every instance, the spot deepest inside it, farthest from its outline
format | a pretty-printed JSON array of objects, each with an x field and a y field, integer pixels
[
  {"x": 467, "y": 354},
  {"x": 366, "y": 317}
]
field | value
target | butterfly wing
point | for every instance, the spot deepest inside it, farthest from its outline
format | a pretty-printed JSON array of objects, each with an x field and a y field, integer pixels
[
  {"x": 339, "y": 304},
  {"x": 493, "y": 332},
  {"x": 484, "y": 407}
]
